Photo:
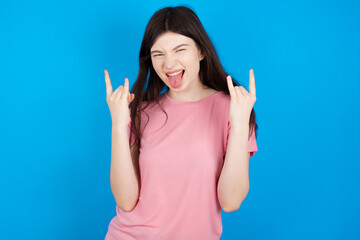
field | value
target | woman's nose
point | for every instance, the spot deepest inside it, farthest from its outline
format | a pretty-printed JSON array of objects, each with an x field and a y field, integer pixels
[{"x": 170, "y": 62}]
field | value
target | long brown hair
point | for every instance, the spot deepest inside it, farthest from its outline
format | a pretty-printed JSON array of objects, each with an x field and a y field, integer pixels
[{"x": 184, "y": 21}]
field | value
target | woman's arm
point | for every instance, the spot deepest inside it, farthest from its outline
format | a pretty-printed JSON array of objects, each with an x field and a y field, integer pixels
[
  {"x": 124, "y": 170},
  {"x": 233, "y": 185}
]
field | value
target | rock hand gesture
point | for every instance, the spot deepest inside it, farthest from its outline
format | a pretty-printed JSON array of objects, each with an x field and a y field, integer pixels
[
  {"x": 118, "y": 102},
  {"x": 241, "y": 102}
]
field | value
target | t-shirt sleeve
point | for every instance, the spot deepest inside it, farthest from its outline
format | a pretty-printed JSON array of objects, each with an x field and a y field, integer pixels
[{"x": 252, "y": 146}]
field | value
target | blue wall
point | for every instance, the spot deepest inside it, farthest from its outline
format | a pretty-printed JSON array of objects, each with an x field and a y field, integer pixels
[{"x": 56, "y": 126}]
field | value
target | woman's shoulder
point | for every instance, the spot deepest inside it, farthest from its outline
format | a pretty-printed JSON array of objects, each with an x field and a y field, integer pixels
[
  {"x": 222, "y": 96},
  {"x": 150, "y": 106}
]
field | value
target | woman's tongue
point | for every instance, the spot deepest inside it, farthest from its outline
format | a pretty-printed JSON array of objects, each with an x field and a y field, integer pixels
[{"x": 175, "y": 81}]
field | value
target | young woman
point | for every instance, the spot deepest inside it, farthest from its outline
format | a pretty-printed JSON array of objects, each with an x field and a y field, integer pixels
[{"x": 192, "y": 133}]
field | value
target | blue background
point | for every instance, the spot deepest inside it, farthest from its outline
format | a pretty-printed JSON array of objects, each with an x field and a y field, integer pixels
[{"x": 56, "y": 125}]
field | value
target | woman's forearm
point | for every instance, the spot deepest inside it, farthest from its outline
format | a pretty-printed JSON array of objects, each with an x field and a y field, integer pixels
[
  {"x": 124, "y": 177},
  {"x": 233, "y": 184}
]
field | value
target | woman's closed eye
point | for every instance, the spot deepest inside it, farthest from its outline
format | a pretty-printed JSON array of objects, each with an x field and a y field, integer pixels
[{"x": 176, "y": 51}]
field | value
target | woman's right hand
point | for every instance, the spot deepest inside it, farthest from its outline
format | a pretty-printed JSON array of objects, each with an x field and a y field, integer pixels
[{"x": 118, "y": 102}]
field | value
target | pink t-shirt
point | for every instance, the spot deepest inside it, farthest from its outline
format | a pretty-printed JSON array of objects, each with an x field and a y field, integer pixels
[{"x": 180, "y": 163}]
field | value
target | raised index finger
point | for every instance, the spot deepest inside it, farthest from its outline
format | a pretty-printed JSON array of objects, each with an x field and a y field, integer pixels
[
  {"x": 109, "y": 88},
  {"x": 252, "y": 89}
]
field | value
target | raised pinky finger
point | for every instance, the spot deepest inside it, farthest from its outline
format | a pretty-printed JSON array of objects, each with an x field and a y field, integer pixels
[{"x": 230, "y": 86}]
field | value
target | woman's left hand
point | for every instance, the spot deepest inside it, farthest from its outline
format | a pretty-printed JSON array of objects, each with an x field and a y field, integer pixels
[{"x": 242, "y": 101}]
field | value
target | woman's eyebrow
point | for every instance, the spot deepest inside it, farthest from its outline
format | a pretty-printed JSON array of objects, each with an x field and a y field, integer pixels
[{"x": 181, "y": 45}]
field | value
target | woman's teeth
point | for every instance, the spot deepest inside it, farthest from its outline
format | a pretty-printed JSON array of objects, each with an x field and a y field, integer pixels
[{"x": 173, "y": 74}]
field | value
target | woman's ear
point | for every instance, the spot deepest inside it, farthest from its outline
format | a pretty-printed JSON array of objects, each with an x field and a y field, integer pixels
[{"x": 202, "y": 56}]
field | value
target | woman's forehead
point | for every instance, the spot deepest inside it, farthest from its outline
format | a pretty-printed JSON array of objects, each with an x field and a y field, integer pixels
[{"x": 170, "y": 40}]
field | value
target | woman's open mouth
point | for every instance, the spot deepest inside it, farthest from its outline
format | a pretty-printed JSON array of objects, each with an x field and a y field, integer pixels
[{"x": 175, "y": 79}]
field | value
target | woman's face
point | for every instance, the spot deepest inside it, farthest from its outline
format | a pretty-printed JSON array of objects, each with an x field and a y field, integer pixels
[{"x": 172, "y": 53}]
